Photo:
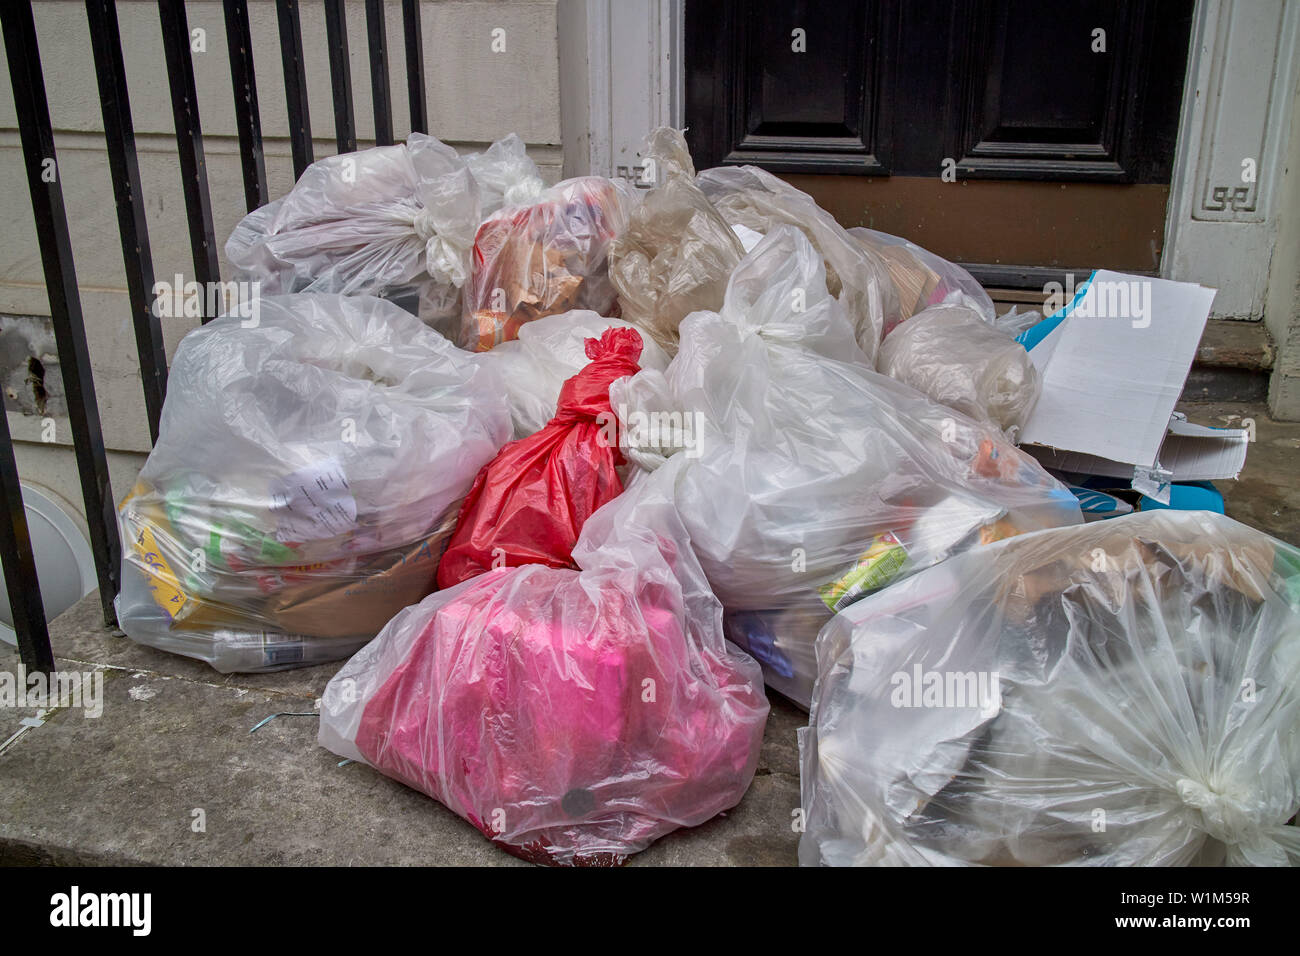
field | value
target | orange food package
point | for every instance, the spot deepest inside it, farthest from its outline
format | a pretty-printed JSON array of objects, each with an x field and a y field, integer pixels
[{"x": 542, "y": 259}]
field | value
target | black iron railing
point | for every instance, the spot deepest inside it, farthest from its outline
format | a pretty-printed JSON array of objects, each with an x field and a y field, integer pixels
[{"x": 39, "y": 157}]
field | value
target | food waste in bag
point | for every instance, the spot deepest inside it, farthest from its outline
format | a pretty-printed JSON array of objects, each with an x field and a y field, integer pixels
[
  {"x": 1126, "y": 693},
  {"x": 571, "y": 716},
  {"x": 309, "y": 468},
  {"x": 543, "y": 258},
  {"x": 528, "y": 505},
  {"x": 813, "y": 479}
]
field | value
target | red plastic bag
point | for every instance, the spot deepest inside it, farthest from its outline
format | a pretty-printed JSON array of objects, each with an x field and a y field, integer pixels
[{"x": 528, "y": 504}]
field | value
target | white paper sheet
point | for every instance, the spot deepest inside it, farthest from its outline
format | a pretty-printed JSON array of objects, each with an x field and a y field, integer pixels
[{"x": 1117, "y": 368}]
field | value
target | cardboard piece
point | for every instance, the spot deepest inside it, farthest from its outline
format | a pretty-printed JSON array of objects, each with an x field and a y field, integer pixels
[
  {"x": 1113, "y": 366},
  {"x": 361, "y": 604}
]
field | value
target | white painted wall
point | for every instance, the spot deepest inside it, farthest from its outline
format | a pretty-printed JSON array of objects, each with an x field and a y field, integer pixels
[
  {"x": 621, "y": 75},
  {"x": 1282, "y": 302},
  {"x": 1237, "y": 108},
  {"x": 474, "y": 96}
]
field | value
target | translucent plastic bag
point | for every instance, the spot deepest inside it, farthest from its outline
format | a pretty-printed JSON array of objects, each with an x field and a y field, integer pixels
[
  {"x": 571, "y": 716},
  {"x": 396, "y": 221},
  {"x": 311, "y": 461},
  {"x": 753, "y": 198},
  {"x": 677, "y": 252},
  {"x": 813, "y": 479},
  {"x": 1014, "y": 323},
  {"x": 1121, "y": 694},
  {"x": 528, "y": 504},
  {"x": 920, "y": 278},
  {"x": 540, "y": 259},
  {"x": 534, "y": 367},
  {"x": 505, "y": 175},
  {"x": 951, "y": 354}
]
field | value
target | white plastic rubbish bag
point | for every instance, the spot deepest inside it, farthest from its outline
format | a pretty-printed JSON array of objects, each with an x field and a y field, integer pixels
[
  {"x": 811, "y": 479},
  {"x": 572, "y": 716},
  {"x": 754, "y": 199},
  {"x": 534, "y": 367},
  {"x": 920, "y": 278},
  {"x": 1124, "y": 693},
  {"x": 677, "y": 252},
  {"x": 396, "y": 221},
  {"x": 951, "y": 354},
  {"x": 309, "y": 467}
]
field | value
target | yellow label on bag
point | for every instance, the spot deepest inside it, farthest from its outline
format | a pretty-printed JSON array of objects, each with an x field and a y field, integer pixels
[{"x": 163, "y": 582}]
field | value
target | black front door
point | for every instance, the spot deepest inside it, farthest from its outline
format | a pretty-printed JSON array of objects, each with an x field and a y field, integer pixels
[{"x": 1022, "y": 137}]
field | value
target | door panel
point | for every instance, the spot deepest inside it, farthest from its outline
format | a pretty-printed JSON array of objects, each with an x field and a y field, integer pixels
[
  {"x": 1035, "y": 100},
  {"x": 1008, "y": 96},
  {"x": 759, "y": 88}
]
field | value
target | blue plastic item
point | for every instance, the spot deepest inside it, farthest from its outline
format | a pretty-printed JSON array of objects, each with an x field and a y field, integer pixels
[
  {"x": 1096, "y": 504},
  {"x": 1188, "y": 496},
  {"x": 1036, "y": 333}
]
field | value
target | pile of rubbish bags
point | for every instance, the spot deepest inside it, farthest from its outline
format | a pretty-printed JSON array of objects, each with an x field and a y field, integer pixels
[{"x": 567, "y": 474}]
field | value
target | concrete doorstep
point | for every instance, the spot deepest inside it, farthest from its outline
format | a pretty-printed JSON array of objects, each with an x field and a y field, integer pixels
[{"x": 169, "y": 774}]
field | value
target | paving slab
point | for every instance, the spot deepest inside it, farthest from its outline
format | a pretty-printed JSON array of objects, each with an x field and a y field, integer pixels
[{"x": 1267, "y": 494}]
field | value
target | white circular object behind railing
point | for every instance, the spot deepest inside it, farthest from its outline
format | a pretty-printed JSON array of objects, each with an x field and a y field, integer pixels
[{"x": 64, "y": 562}]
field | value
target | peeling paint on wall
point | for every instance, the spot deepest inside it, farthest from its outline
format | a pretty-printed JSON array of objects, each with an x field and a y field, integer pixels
[{"x": 29, "y": 366}]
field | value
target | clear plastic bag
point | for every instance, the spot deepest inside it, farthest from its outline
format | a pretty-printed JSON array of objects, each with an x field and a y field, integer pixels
[
  {"x": 571, "y": 716},
  {"x": 813, "y": 479},
  {"x": 920, "y": 278},
  {"x": 548, "y": 352},
  {"x": 310, "y": 465},
  {"x": 1124, "y": 693},
  {"x": 544, "y": 258},
  {"x": 677, "y": 252},
  {"x": 752, "y": 198},
  {"x": 505, "y": 175},
  {"x": 396, "y": 221},
  {"x": 952, "y": 354},
  {"x": 1015, "y": 323}
]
